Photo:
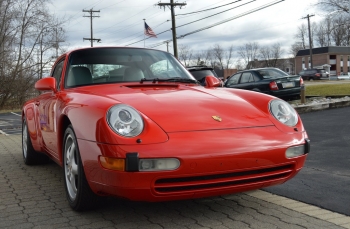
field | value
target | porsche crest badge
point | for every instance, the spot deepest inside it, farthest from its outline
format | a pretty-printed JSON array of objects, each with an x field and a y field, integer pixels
[{"x": 217, "y": 118}]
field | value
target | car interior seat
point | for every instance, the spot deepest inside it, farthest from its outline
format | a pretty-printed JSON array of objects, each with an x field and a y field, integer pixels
[
  {"x": 79, "y": 76},
  {"x": 133, "y": 74}
]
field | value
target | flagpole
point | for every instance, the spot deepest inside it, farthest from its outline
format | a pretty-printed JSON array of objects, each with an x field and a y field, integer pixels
[{"x": 144, "y": 40}]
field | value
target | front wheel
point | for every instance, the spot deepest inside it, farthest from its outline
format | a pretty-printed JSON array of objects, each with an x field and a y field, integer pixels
[{"x": 78, "y": 191}]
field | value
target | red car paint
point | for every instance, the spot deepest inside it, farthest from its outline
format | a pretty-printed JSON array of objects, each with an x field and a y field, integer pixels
[{"x": 243, "y": 151}]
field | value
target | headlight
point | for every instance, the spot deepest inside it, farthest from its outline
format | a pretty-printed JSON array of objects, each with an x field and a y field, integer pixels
[
  {"x": 283, "y": 112},
  {"x": 125, "y": 120}
]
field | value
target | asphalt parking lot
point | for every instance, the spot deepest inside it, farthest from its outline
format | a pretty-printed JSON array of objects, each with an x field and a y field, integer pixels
[{"x": 33, "y": 197}]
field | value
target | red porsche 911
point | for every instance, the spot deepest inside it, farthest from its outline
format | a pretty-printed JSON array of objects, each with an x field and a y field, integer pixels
[{"x": 134, "y": 123}]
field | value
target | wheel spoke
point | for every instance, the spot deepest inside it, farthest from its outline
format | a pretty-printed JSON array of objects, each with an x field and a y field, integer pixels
[
  {"x": 74, "y": 169},
  {"x": 71, "y": 167},
  {"x": 24, "y": 141},
  {"x": 73, "y": 184}
]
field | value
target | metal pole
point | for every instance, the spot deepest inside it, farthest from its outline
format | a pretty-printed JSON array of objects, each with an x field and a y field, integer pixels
[
  {"x": 144, "y": 40},
  {"x": 173, "y": 27},
  {"x": 310, "y": 41},
  {"x": 91, "y": 29}
]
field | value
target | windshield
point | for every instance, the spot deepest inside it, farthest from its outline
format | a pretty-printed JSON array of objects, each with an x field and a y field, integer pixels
[
  {"x": 272, "y": 73},
  {"x": 116, "y": 65}
]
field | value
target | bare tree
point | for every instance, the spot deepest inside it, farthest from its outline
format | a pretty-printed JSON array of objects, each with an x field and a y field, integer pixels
[
  {"x": 228, "y": 57},
  {"x": 276, "y": 53},
  {"x": 295, "y": 48},
  {"x": 218, "y": 52},
  {"x": 22, "y": 26},
  {"x": 238, "y": 65},
  {"x": 185, "y": 54},
  {"x": 302, "y": 35},
  {"x": 249, "y": 53},
  {"x": 270, "y": 55},
  {"x": 265, "y": 55},
  {"x": 321, "y": 35},
  {"x": 339, "y": 31},
  {"x": 335, "y": 5}
]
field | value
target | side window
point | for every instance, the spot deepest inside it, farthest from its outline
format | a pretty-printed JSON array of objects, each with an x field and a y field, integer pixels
[
  {"x": 246, "y": 77},
  {"x": 256, "y": 78},
  {"x": 233, "y": 80},
  {"x": 57, "y": 73}
]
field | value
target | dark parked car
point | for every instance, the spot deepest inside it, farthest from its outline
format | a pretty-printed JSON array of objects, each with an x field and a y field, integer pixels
[
  {"x": 271, "y": 81},
  {"x": 313, "y": 74},
  {"x": 200, "y": 72}
]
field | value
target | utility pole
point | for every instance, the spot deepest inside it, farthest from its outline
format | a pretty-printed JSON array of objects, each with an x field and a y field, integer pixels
[
  {"x": 57, "y": 41},
  {"x": 91, "y": 39},
  {"x": 173, "y": 24},
  {"x": 310, "y": 41},
  {"x": 167, "y": 46}
]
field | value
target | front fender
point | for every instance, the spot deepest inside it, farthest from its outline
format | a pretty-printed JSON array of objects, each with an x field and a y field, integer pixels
[{"x": 87, "y": 114}]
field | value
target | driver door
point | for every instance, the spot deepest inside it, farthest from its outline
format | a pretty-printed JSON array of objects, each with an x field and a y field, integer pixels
[{"x": 47, "y": 110}]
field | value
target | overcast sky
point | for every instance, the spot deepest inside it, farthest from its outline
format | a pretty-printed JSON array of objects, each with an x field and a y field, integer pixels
[{"x": 120, "y": 22}]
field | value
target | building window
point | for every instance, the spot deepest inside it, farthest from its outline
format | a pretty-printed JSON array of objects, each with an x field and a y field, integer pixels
[
  {"x": 341, "y": 69},
  {"x": 303, "y": 60},
  {"x": 341, "y": 58},
  {"x": 348, "y": 58}
]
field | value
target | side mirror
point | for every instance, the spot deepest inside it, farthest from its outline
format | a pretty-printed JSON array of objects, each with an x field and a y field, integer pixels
[
  {"x": 46, "y": 84},
  {"x": 212, "y": 81}
]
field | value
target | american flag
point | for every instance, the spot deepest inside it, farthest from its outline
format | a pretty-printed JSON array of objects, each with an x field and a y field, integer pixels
[{"x": 149, "y": 32}]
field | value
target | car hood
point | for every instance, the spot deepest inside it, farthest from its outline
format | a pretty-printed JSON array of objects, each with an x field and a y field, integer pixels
[{"x": 184, "y": 108}]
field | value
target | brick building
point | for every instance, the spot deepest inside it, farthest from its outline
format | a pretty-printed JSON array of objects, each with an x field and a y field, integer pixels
[{"x": 334, "y": 59}]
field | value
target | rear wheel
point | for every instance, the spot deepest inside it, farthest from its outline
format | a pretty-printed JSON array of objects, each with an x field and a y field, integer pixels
[
  {"x": 311, "y": 79},
  {"x": 30, "y": 156},
  {"x": 78, "y": 191}
]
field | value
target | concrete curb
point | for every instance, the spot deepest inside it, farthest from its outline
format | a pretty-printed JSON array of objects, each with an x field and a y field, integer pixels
[{"x": 321, "y": 106}]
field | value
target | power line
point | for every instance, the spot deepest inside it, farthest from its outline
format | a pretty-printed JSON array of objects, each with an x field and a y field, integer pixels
[
  {"x": 216, "y": 13},
  {"x": 224, "y": 21},
  {"x": 232, "y": 18},
  {"x": 138, "y": 13},
  {"x": 142, "y": 34},
  {"x": 209, "y": 9}
]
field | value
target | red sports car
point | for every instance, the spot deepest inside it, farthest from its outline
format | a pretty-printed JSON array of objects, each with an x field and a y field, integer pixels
[{"x": 134, "y": 123}]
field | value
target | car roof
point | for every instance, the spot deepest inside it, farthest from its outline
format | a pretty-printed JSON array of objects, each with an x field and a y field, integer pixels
[
  {"x": 199, "y": 67},
  {"x": 255, "y": 69}
]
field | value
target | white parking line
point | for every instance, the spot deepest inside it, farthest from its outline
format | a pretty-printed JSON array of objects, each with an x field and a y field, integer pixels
[
  {"x": 2, "y": 132},
  {"x": 15, "y": 114}
]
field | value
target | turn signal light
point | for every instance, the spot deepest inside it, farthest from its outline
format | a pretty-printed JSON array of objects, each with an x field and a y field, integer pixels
[{"x": 112, "y": 163}]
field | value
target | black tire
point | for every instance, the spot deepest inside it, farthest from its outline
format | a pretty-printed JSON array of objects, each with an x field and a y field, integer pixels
[
  {"x": 311, "y": 79},
  {"x": 79, "y": 194},
  {"x": 30, "y": 156}
]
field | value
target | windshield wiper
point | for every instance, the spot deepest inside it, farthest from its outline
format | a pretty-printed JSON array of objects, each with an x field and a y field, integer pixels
[{"x": 174, "y": 79}]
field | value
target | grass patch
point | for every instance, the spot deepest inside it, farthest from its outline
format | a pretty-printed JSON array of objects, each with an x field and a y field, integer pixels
[
  {"x": 328, "y": 89},
  {"x": 8, "y": 111}
]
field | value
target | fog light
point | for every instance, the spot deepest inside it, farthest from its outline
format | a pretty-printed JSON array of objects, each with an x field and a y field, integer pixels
[
  {"x": 160, "y": 164},
  {"x": 295, "y": 151}
]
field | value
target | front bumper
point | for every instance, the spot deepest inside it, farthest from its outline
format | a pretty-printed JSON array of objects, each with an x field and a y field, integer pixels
[{"x": 213, "y": 162}]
